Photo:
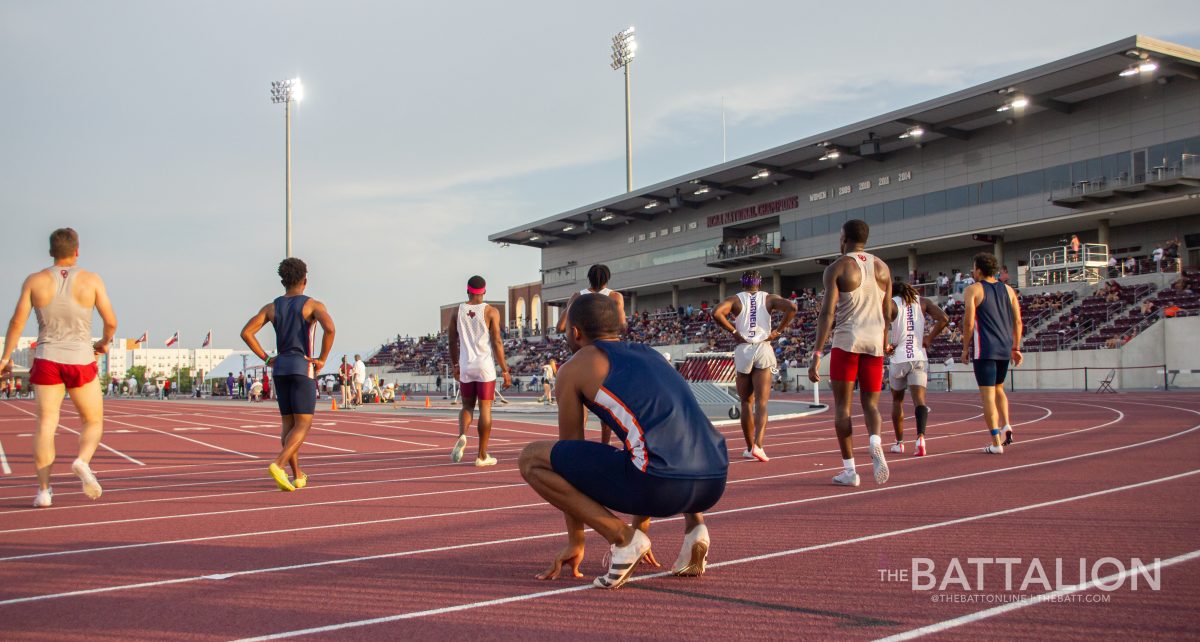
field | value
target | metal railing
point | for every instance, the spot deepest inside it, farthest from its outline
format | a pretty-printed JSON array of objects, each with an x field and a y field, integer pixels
[
  {"x": 733, "y": 252},
  {"x": 1187, "y": 167}
]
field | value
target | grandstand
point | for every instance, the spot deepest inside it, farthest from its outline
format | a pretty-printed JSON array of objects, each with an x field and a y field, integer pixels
[{"x": 1079, "y": 147}]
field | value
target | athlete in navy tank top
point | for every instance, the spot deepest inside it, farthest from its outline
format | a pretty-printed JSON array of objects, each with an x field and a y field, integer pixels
[
  {"x": 673, "y": 461},
  {"x": 294, "y": 317},
  {"x": 991, "y": 340}
]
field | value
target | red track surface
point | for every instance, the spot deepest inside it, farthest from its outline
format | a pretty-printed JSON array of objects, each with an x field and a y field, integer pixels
[{"x": 195, "y": 543}]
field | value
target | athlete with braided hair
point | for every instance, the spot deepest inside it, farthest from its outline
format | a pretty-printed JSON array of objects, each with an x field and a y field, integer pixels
[{"x": 907, "y": 345}]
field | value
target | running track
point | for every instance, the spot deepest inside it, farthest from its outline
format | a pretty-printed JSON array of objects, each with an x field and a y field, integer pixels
[{"x": 392, "y": 541}]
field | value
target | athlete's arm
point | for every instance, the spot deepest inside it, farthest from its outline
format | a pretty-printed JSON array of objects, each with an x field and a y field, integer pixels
[
  {"x": 562, "y": 319},
  {"x": 452, "y": 336},
  {"x": 731, "y": 305},
  {"x": 620, "y": 299},
  {"x": 1018, "y": 328},
  {"x": 824, "y": 319},
  {"x": 883, "y": 276},
  {"x": 321, "y": 314},
  {"x": 105, "y": 309},
  {"x": 570, "y": 417},
  {"x": 968, "y": 326},
  {"x": 17, "y": 323},
  {"x": 251, "y": 329},
  {"x": 940, "y": 320},
  {"x": 493, "y": 321},
  {"x": 780, "y": 304}
]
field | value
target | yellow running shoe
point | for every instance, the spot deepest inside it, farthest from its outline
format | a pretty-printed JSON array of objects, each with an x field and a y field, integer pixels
[
  {"x": 301, "y": 481},
  {"x": 280, "y": 477}
]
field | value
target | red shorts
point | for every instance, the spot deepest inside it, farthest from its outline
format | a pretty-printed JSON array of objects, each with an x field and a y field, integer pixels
[
  {"x": 852, "y": 366},
  {"x": 49, "y": 373},
  {"x": 481, "y": 390}
]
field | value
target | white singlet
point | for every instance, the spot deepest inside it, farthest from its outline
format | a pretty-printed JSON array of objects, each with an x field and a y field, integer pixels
[
  {"x": 475, "y": 360},
  {"x": 908, "y": 332},
  {"x": 754, "y": 323},
  {"x": 64, "y": 327},
  {"x": 603, "y": 291},
  {"x": 858, "y": 319}
]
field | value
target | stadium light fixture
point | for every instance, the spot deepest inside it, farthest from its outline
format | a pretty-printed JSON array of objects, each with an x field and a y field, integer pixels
[
  {"x": 830, "y": 155},
  {"x": 287, "y": 92},
  {"x": 702, "y": 190},
  {"x": 606, "y": 217},
  {"x": 568, "y": 228},
  {"x": 534, "y": 237},
  {"x": 624, "y": 50},
  {"x": 1128, "y": 71},
  {"x": 1015, "y": 103},
  {"x": 762, "y": 173},
  {"x": 913, "y": 132},
  {"x": 1147, "y": 66},
  {"x": 651, "y": 205}
]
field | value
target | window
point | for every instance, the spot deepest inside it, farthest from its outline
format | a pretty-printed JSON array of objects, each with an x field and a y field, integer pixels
[
  {"x": 873, "y": 214},
  {"x": 1004, "y": 188},
  {"x": 957, "y": 198},
  {"x": 893, "y": 211},
  {"x": 836, "y": 220},
  {"x": 935, "y": 202},
  {"x": 803, "y": 229},
  {"x": 914, "y": 206},
  {"x": 820, "y": 225},
  {"x": 1030, "y": 183}
]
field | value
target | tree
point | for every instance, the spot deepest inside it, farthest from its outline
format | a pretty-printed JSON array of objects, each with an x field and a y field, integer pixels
[{"x": 138, "y": 373}]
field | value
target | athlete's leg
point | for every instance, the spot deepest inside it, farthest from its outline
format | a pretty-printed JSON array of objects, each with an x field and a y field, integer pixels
[
  {"x": 295, "y": 439},
  {"x": 745, "y": 391},
  {"x": 485, "y": 426},
  {"x": 287, "y": 423},
  {"x": 89, "y": 401},
  {"x": 918, "y": 395},
  {"x": 987, "y": 396},
  {"x": 898, "y": 412},
  {"x": 762, "y": 393},
  {"x": 539, "y": 472},
  {"x": 843, "y": 391},
  {"x": 1001, "y": 406},
  {"x": 49, "y": 405}
]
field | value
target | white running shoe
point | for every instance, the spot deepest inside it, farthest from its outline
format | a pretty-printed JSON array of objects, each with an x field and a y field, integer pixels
[
  {"x": 484, "y": 463},
  {"x": 760, "y": 454},
  {"x": 897, "y": 448},
  {"x": 919, "y": 447},
  {"x": 746, "y": 454},
  {"x": 91, "y": 487},
  {"x": 693, "y": 557},
  {"x": 880, "y": 464},
  {"x": 993, "y": 450},
  {"x": 43, "y": 499},
  {"x": 624, "y": 559},
  {"x": 846, "y": 478},
  {"x": 459, "y": 446}
]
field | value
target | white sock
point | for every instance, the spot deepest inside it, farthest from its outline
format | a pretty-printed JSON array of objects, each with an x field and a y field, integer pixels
[
  {"x": 848, "y": 464},
  {"x": 876, "y": 440}
]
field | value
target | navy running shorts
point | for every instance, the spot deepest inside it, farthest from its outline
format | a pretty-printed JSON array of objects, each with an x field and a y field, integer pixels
[
  {"x": 296, "y": 394},
  {"x": 990, "y": 372},
  {"x": 607, "y": 475}
]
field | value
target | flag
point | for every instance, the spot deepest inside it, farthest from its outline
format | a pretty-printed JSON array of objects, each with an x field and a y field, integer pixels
[
  {"x": 174, "y": 339},
  {"x": 207, "y": 340},
  {"x": 144, "y": 338}
]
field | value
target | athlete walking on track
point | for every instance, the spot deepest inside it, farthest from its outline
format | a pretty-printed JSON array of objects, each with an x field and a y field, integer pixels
[
  {"x": 475, "y": 349},
  {"x": 754, "y": 356},
  {"x": 598, "y": 276},
  {"x": 64, "y": 363},
  {"x": 294, "y": 317},
  {"x": 992, "y": 342},
  {"x": 858, "y": 296},
  {"x": 908, "y": 345},
  {"x": 674, "y": 462}
]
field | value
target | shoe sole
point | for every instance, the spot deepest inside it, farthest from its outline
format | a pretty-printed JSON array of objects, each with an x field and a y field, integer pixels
[
  {"x": 457, "y": 452},
  {"x": 484, "y": 464},
  {"x": 1008, "y": 440},
  {"x": 283, "y": 484},
  {"x": 604, "y": 583},
  {"x": 846, "y": 484},
  {"x": 764, "y": 459},
  {"x": 697, "y": 563},
  {"x": 91, "y": 487},
  {"x": 880, "y": 465}
]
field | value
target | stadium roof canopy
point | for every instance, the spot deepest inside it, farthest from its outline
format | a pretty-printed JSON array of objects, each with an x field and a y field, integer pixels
[{"x": 1055, "y": 86}]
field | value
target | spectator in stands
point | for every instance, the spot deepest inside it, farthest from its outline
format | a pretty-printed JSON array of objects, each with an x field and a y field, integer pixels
[
  {"x": 1130, "y": 265},
  {"x": 943, "y": 284},
  {"x": 1075, "y": 245},
  {"x": 1112, "y": 267},
  {"x": 1180, "y": 286},
  {"x": 1148, "y": 307},
  {"x": 360, "y": 379},
  {"x": 721, "y": 250},
  {"x": 229, "y": 381},
  {"x": 1004, "y": 275},
  {"x": 1157, "y": 257},
  {"x": 958, "y": 282}
]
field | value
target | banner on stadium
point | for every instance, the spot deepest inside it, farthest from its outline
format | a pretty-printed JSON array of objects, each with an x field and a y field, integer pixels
[{"x": 754, "y": 211}]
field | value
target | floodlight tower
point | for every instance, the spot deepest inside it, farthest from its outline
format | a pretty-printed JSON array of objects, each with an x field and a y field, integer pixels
[
  {"x": 287, "y": 92},
  {"x": 624, "y": 49}
]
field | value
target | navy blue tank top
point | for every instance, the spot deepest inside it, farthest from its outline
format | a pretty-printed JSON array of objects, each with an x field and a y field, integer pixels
[
  {"x": 993, "y": 334},
  {"x": 654, "y": 413},
  {"x": 293, "y": 337}
]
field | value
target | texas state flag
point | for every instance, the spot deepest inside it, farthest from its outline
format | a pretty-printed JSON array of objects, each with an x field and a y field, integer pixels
[
  {"x": 144, "y": 338},
  {"x": 207, "y": 340},
  {"x": 174, "y": 339}
]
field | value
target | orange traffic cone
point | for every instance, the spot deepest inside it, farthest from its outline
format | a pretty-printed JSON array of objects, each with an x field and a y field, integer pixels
[
  {"x": 403, "y": 397},
  {"x": 427, "y": 404},
  {"x": 333, "y": 404}
]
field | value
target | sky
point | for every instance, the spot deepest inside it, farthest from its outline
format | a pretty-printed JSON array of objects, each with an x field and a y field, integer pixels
[{"x": 425, "y": 127}]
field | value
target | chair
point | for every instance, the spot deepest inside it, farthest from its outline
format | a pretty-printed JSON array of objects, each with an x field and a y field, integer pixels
[{"x": 1106, "y": 384}]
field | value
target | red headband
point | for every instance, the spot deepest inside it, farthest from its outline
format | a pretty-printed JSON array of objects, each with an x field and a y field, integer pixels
[{"x": 471, "y": 290}]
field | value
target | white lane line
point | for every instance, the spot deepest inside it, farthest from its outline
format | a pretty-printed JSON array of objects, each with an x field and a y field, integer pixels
[
  {"x": 745, "y": 560},
  {"x": 198, "y": 425},
  {"x": 189, "y": 429},
  {"x": 76, "y": 432},
  {"x": 171, "y": 434},
  {"x": 4, "y": 461},
  {"x": 1115, "y": 578},
  {"x": 342, "y": 432}
]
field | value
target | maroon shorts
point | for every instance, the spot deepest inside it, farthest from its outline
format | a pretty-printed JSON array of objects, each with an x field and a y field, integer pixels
[
  {"x": 481, "y": 390},
  {"x": 852, "y": 366},
  {"x": 49, "y": 373}
]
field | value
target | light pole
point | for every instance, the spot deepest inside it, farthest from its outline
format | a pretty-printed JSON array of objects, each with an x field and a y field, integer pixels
[
  {"x": 287, "y": 92},
  {"x": 624, "y": 49}
]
